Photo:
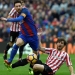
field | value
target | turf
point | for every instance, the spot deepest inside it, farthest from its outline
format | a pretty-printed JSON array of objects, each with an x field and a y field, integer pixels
[{"x": 24, "y": 70}]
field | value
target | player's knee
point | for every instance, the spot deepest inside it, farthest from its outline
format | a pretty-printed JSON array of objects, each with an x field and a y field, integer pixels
[
  {"x": 36, "y": 67},
  {"x": 19, "y": 42}
]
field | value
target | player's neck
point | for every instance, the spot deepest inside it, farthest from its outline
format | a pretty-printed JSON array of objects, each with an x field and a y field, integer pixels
[{"x": 59, "y": 50}]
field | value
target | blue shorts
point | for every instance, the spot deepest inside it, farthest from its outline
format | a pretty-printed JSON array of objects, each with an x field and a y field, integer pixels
[{"x": 32, "y": 40}]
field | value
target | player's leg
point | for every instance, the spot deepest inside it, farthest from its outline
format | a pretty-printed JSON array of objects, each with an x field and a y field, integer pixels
[
  {"x": 6, "y": 50},
  {"x": 36, "y": 73},
  {"x": 20, "y": 41},
  {"x": 44, "y": 69},
  {"x": 34, "y": 44},
  {"x": 21, "y": 51},
  {"x": 9, "y": 44},
  {"x": 19, "y": 63}
]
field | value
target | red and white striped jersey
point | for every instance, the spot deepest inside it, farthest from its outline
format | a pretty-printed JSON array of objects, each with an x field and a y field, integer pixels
[
  {"x": 15, "y": 25},
  {"x": 56, "y": 58}
]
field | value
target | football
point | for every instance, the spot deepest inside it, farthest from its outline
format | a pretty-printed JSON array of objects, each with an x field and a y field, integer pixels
[{"x": 32, "y": 58}]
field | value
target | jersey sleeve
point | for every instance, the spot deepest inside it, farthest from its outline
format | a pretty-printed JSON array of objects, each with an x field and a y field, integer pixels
[
  {"x": 11, "y": 13},
  {"x": 25, "y": 11},
  {"x": 48, "y": 50},
  {"x": 68, "y": 60}
]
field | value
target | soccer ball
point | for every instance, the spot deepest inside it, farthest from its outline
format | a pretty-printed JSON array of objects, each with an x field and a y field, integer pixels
[{"x": 32, "y": 58}]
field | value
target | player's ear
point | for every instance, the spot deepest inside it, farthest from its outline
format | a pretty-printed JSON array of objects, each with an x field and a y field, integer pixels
[{"x": 24, "y": 15}]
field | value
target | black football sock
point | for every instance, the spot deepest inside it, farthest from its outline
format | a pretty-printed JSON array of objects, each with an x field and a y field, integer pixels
[
  {"x": 31, "y": 66},
  {"x": 36, "y": 73},
  {"x": 38, "y": 56},
  {"x": 21, "y": 51},
  {"x": 7, "y": 48},
  {"x": 20, "y": 63}
]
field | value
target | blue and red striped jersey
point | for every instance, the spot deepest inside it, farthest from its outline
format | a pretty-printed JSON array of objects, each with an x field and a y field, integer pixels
[{"x": 28, "y": 27}]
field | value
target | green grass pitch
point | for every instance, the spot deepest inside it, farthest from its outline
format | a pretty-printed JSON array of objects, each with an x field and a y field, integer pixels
[{"x": 24, "y": 70}]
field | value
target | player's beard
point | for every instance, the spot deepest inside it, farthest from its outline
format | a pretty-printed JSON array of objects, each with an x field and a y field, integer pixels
[
  {"x": 59, "y": 48},
  {"x": 18, "y": 10}
]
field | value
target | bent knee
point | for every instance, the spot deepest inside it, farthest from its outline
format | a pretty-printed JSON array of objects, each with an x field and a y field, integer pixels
[
  {"x": 19, "y": 42},
  {"x": 36, "y": 67}
]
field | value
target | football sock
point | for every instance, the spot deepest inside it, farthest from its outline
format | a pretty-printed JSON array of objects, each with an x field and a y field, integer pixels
[
  {"x": 13, "y": 52},
  {"x": 20, "y": 63},
  {"x": 7, "y": 48},
  {"x": 31, "y": 66},
  {"x": 21, "y": 51},
  {"x": 36, "y": 73},
  {"x": 38, "y": 56}
]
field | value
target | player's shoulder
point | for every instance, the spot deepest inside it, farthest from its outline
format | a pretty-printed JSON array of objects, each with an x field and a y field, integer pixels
[
  {"x": 64, "y": 52},
  {"x": 13, "y": 9},
  {"x": 50, "y": 49},
  {"x": 24, "y": 8}
]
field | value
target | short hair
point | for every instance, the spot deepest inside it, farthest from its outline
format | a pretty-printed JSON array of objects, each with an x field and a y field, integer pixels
[
  {"x": 23, "y": 1},
  {"x": 17, "y": 1},
  {"x": 62, "y": 39}
]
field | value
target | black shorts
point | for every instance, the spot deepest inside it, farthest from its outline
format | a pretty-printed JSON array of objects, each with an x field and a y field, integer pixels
[
  {"x": 13, "y": 36},
  {"x": 47, "y": 70}
]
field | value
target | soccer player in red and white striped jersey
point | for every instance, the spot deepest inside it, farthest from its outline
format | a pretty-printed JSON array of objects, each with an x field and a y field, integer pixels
[
  {"x": 56, "y": 57},
  {"x": 15, "y": 27},
  {"x": 14, "y": 31}
]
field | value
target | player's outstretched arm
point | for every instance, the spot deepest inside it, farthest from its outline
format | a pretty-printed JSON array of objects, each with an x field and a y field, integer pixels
[
  {"x": 3, "y": 19},
  {"x": 40, "y": 46},
  {"x": 18, "y": 19},
  {"x": 69, "y": 64},
  {"x": 71, "y": 70}
]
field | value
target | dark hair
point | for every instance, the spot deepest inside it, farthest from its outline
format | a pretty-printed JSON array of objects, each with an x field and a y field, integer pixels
[
  {"x": 17, "y": 1},
  {"x": 62, "y": 39},
  {"x": 23, "y": 1}
]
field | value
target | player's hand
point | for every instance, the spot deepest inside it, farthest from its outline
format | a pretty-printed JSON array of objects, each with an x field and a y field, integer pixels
[
  {"x": 3, "y": 19},
  {"x": 39, "y": 32}
]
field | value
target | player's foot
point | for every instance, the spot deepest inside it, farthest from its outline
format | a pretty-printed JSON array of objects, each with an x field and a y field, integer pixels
[
  {"x": 30, "y": 71},
  {"x": 4, "y": 56},
  {"x": 6, "y": 63},
  {"x": 9, "y": 67}
]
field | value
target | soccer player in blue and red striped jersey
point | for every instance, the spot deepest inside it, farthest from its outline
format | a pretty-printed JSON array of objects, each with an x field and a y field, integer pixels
[{"x": 28, "y": 31}]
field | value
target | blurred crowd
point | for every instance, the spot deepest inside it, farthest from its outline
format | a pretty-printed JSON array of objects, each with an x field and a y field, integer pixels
[{"x": 56, "y": 18}]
